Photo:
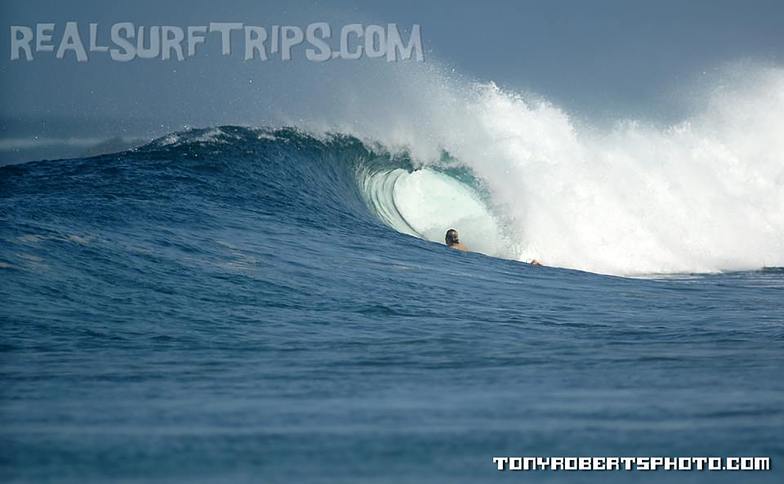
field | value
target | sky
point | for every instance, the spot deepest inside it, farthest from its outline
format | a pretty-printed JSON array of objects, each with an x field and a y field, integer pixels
[{"x": 599, "y": 59}]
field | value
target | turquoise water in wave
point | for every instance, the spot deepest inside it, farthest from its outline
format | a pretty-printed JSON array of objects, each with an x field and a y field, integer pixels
[{"x": 226, "y": 306}]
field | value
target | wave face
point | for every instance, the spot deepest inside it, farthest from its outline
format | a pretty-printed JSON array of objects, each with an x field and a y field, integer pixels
[
  {"x": 633, "y": 202},
  {"x": 352, "y": 182},
  {"x": 354, "y": 185}
]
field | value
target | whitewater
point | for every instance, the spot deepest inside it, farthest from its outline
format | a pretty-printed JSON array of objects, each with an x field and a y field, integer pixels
[{"x": 704, "y": 194}]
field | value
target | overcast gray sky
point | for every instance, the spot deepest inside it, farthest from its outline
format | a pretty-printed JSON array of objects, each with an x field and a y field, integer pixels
[{"x": 597, "y": 57}]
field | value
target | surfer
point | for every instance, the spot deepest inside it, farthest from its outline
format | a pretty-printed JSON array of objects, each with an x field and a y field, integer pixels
[{"x": 452, "y": 240}]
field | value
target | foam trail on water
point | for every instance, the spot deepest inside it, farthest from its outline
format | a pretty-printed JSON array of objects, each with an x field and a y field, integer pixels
[{"x": 703, "y": 195}]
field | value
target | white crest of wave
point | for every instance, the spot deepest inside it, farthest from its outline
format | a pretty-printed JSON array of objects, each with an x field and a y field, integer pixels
[{"x": 702, "y": 195}]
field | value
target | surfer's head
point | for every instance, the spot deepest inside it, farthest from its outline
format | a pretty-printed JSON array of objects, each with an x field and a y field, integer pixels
[{"x": 451, "y": 237}]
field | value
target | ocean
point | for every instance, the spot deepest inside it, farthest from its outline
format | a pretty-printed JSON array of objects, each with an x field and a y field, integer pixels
[{"x": 238, "y": 304}]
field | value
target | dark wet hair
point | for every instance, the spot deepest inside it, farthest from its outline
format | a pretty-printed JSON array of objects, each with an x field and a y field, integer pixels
[{"x": 451, "y": 237}]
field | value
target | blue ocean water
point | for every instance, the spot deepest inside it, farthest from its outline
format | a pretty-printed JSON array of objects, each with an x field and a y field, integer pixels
[{"x": 225, "y": 305}]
